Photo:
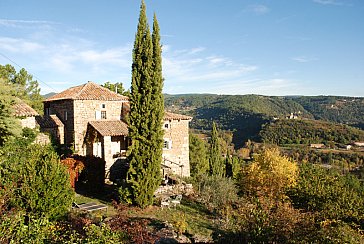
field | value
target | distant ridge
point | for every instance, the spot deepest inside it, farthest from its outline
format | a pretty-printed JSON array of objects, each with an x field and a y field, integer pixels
[{"x": 45, "y": 96}]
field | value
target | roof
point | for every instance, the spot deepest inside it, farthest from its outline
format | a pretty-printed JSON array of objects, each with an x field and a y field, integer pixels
[
  {"x": 51, "y": 121},
  {"x": 173, "y": 116},
  {"x": 88, "y": 91},
  {"x": 110, "y": 127},
  {"x": 21, "y": 109}
]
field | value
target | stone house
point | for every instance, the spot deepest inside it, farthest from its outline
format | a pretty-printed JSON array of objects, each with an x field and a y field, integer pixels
[
  {"x": 26, "y": 114},
  {"x": 91, "y": 118}
]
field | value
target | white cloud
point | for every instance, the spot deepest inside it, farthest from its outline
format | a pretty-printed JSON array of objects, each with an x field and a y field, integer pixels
[
  {"x": 262, "y": 86},
  {"x": 329, "y": 2},
  {"x": 303, "y": 59},
  {"x": 190, "y": 71},
  {"x": 19, "y": 45},
  {"x": 258, "y": 9},
  {"x": 16, "y": 23}
]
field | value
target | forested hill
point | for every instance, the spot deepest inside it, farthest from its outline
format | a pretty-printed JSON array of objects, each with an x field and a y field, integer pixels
[
  {"x": 245, "y": 114},
  {"x": 347, "y": 110}
]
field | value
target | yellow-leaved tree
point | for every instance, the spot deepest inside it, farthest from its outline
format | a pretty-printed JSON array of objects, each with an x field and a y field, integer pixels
[{"x": 269, "y": 175}]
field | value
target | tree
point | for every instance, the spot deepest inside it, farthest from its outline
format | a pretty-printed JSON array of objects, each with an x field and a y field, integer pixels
[
  {"x": 116, "y": 87},
  {"x": 146, "y": 115},
  {"x": 9, "y": 126},
  {"x": 24, "y": 87},
  {"x": 269, "y": 175},
  {"x": 215, "y": 159},
  {"x": 333, "y": 195},
  {"x": 198, "y": 156},
  {"x": 36, "y": 181}
]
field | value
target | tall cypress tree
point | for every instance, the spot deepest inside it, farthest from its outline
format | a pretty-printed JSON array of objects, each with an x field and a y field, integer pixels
[
  {"x": 215, "y": 160},
  {"x": 146, "y": 114},
  {"x": 157, "y": 106}
]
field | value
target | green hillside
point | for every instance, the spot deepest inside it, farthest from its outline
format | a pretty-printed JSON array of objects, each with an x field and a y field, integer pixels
[
  {"x": 245, "y": 115},
  {"x": 286, "y": 131},
  {"x": 348, "y": 110}
]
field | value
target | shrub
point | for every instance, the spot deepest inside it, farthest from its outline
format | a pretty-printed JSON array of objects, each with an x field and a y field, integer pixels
[
  {"x": 217, "y": 193},
  {"x": 327, "y": 192},
  {"x": 35, "y": 179}
]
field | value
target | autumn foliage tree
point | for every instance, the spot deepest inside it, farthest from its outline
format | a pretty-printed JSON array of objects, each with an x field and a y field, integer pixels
[{"x": 270, "y": 175}]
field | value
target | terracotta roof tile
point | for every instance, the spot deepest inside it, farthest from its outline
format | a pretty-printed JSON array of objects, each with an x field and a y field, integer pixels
[
  {"x": 110, "y": 127},
  {"x": 88, "y": 91},
  {"x": 51, "y": 121},
  {"x": 21, "y": 109},
  {"x": 173, "y": 116}
]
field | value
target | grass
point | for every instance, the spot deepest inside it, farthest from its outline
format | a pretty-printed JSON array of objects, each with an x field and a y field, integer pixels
[
  {"x": 197, "y": 219},
  {"x": 190, "y": 214}
]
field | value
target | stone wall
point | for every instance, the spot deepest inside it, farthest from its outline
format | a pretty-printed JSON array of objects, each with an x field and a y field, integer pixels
[
  {"x": 29, "y": 122},
  {"x": 89, "y": 110},
  {"x": 178, "y": 152},
  {"x": 64, "y": 111}
]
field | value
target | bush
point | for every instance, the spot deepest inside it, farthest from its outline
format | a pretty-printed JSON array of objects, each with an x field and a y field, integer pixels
[
  {"x": 18, "y": 227},
  {"x": 217, "y": 193},
  {"x": 35, "y": 181},
  {"x": 330, "y": 194}
]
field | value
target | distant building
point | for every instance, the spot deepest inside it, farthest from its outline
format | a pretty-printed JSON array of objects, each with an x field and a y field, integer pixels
[
  {"x": 92, "y": 119},
  {"x": 293, "y": 116},
  {"x": 317, "y": 145},
  {"x": 359, "y": 144}
]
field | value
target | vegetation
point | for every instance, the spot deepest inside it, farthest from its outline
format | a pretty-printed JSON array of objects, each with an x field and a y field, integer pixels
[
  {"x": 215, "y": 157},
  {"x": 24, "y": 86},
  {"x": 199, "y": 162},
  {"x": 269, "y": 174},
  {"x": 146, "y": 116},
  {"x": 35, "y": 181},
  {"x": 116, "y": 87},
  {"x": 334, "y": 196},
  {"x": 347, "y": 110},
  {"x": 283, "y": 132},
  {"x": 9, "y": 126},
  {"x": 245, "y": 115}
]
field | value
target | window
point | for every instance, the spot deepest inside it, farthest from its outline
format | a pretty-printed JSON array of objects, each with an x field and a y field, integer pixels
[
  {"x": 103, "y": 105},
  {"x": 103, "y": 114},
  {"x": 97, "y": 114},
  {"x": 65, "y": 115},
  {"x": 47, "y": 111},
  {"x": 167, "y": 144},
  {"x": 166, "y": 125}
]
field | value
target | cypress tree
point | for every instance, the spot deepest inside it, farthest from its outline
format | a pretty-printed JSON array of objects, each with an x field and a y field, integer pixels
[
  {"x": 198, "y": 156},
  {"x": 146, "y": 114},
  {"x": 157, "y": 106},
  {"x": 216, "y": 163}
]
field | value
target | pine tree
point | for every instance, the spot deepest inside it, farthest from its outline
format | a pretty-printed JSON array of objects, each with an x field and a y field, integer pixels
[
  {"x": 9, "y": 125},
  {"x": 216, "y": 162},
  {"x": 146, "y": 114}
]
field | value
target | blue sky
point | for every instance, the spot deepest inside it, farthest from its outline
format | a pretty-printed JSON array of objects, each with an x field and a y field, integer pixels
[{"x": 268, "y": 47}]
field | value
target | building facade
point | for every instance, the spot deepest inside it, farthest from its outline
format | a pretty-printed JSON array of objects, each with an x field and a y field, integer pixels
[{"x": 90, "y": 118}]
